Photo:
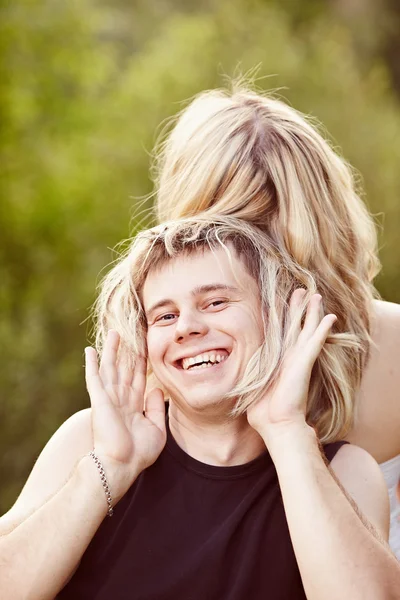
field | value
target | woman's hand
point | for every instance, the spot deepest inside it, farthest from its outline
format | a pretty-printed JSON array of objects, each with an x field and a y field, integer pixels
[
  {"x": 128, "y": 433},
  {"x": 284, "y": 405}
]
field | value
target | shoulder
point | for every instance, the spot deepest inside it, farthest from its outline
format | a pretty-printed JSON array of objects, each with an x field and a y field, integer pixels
[
  {"x": 377, "y": 423},
  {"x": 386, "y": 323},
  {"x": 385, "y": 334},
  {"x": 390, "y": 309},
  {"x": 360, "y": 475},
  {"x": 53, "y": 468}
]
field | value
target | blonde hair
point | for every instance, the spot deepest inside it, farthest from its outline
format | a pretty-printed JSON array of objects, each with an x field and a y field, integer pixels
[
  {"x": 119, "y": 307},
  {"x": 252, "y": 156}
]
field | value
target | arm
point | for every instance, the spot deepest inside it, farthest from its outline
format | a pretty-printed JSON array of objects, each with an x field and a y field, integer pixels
[
  {"x": 63, "y": 502},
  {"x": 50, "y": 474},
  {"x": 338, "y": 552},
  {"x": 48, "y": 545}
]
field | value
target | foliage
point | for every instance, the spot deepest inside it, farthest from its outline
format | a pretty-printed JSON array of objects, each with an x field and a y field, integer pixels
[{"x": 81, "y": 101}]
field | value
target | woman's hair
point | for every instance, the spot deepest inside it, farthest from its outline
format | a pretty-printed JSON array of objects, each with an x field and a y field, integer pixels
[
  {"x": 119, "y": 306},
  {"x": 254, "y": 157}
]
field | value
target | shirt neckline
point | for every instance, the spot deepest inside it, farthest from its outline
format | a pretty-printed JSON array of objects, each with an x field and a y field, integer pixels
[{"x": 258, "y": 464}]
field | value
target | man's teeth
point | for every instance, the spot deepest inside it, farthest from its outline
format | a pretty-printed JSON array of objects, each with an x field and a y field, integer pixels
[{"x": 202, "y": 359}]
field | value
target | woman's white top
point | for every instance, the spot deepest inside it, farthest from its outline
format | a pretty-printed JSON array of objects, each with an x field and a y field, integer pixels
[{"x": 391, "y": 473}]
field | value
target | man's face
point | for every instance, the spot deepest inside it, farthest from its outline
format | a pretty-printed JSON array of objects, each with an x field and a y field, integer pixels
[{"x": 203, "y": 327}]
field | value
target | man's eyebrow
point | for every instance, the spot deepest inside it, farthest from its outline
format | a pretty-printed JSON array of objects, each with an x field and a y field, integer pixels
[
  {"x": 197, "y": 291},
  {"x": 213, "y": 287}
]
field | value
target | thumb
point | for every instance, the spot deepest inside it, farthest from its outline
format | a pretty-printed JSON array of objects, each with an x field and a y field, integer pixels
[{"x": 155, "y": 408}]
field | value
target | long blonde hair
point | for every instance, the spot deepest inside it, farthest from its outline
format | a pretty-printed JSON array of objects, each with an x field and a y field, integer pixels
[
  {"x": 119, "y": 307},
  {"x": 252, "y": 156}
]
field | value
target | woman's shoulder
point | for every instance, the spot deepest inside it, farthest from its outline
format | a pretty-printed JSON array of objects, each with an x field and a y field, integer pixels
[
  {"x": 377, "y": 419},
  {"x": 385, "y": 333},
  {"x": 386, "y": 320}
]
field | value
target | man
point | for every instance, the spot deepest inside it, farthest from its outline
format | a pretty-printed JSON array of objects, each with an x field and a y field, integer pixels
[{"x": 197, "y": 496}]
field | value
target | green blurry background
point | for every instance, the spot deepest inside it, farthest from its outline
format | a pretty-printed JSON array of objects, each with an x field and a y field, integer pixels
[{"x": 84, "y": 86}]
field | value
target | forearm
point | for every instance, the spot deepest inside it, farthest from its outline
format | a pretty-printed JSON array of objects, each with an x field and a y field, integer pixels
[
  {"x": 338, "y": 557},
  {"x": 39, "y": 555}
]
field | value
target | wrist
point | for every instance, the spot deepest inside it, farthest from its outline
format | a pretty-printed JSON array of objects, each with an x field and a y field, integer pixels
[
  {"x": 89, "y": 481},
  {"x": 283, "y": 439},
  {"x": 104, "y": 482},
  {"x": 118, "y": 478}
]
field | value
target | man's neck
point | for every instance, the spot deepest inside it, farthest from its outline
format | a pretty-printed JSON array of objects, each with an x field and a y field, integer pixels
[{"x": 224, "y": 442}]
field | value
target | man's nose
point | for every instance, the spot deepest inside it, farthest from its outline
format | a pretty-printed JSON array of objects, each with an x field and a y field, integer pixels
[{"x": 190, "y": 325}]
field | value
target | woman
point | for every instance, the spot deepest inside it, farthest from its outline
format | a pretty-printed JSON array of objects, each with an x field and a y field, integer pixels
[{"x": 254, "y": 157}]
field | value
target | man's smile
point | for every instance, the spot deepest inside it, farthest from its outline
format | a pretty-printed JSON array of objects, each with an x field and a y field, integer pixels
[{"x": 203, "y": 359}]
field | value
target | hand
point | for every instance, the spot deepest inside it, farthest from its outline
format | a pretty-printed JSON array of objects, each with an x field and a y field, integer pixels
[
  {"x": 284, "y": 404},
  {"x": 125, "y": 440}
]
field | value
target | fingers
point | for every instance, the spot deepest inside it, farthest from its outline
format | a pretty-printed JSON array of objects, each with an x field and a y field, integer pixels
[
  {"x": 155, "y": 408},
  {"x": 319, "y": 338},
  {"x": 125, "y": 375},
  {"x": 296, "y": 300},
  {"x": 295, "y": 310},
  {"x": 93, "y": 380},
  {"x": 115, "y": 370},
  {"x": 324, "y": 328},
  {"x": 316, "y": 326},
  {"x": 313, "y": 316},
  {"x": 108, "y": 363},
  {"x": 139, "y": 381}
]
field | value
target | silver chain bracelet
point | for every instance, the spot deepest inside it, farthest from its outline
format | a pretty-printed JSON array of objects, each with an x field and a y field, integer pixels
[{"x": 104, "y": 482}]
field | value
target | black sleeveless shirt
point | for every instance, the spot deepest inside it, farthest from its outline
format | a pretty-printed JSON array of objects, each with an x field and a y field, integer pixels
[{"x": 190, "y": 531}]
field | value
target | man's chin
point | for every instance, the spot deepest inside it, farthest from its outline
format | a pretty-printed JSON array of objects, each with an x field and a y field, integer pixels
[{"x": 206, "y": 404}]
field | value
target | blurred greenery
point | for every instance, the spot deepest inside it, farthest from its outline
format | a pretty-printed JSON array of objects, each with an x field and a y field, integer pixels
[{"x": 83, "y": 88}]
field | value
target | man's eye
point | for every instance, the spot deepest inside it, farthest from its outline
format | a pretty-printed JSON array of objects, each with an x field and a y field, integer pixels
[
  {"x": 216, "y": 303},
  {"x": 167, "y": 317}
]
